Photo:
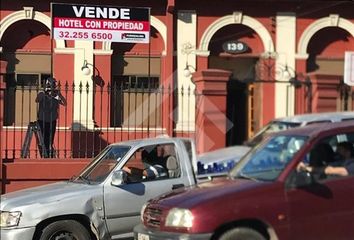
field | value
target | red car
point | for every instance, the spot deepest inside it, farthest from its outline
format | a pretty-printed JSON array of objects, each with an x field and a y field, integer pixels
[{"x": 267, "y": 195}]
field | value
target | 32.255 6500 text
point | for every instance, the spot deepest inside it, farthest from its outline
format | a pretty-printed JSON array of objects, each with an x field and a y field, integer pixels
[{"x": 85, "y": 35}]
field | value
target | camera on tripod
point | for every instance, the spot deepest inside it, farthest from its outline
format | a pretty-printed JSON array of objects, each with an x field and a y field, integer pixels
[{"x": 50, "y": 87}]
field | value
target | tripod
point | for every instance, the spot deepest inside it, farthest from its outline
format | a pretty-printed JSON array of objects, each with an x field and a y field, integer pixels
[{"x": 33, "y": 127}]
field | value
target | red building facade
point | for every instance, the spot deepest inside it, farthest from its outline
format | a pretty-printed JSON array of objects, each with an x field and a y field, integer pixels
[{"x": 184, "y": 83}]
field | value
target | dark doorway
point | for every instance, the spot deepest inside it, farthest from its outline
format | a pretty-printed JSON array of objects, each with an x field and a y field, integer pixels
[{"x": 237, "y": 112}]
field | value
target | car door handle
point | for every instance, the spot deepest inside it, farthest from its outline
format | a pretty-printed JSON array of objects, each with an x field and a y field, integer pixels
[{"x": 175, "y": 186}]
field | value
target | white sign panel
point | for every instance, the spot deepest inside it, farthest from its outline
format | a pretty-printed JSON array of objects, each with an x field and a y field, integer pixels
[
  {"x": 349, "y": 68},
  {"x": 100, "y": 23}
]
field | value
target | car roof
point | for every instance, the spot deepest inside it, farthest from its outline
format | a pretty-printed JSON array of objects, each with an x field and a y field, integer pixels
[
  {"x": 150, "y": 141},
  {"x": 315, "y": 129},
  {"x": 317, "y": 117}
]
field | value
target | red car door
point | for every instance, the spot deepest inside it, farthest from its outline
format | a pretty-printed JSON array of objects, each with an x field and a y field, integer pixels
[
  {"x": 341, "y": 221},
  {"x": 323, "y": 210}
]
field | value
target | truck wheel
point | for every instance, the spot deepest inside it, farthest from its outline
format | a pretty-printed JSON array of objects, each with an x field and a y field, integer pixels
[
  {"x": 242, "y": 233},
  {"x": 65, "y": 230}
]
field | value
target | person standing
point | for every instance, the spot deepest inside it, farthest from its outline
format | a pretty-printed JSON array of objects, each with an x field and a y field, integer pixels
[{"x": 48, "y": 110}]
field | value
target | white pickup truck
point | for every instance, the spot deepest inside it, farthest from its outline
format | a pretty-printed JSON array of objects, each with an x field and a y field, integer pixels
[
  {"x": 223, "y": 160},
  {"x": 104, "y": 200}
]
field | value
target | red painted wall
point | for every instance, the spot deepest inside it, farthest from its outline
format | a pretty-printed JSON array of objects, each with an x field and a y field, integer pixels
[{"x": 24, "y": 173}]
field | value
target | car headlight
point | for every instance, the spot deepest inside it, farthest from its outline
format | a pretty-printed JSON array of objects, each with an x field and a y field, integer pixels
[
  {"x": 142, "y": 212},
  {"x": 9, "y": 219},
  {"x": 178, "y": 217}
]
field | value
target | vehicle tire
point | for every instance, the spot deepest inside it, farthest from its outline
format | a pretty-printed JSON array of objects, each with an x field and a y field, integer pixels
[
  {"x": 242, "y": 233},
  {"x": 65, "y": 230}
]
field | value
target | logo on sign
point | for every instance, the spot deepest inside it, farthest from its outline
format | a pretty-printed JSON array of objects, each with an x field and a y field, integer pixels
[
  {"x": 130, "y": 36},
  {"x": 235, "y": 47}
]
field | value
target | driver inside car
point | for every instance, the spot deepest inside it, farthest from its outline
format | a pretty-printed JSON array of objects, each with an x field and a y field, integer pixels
[
  {"x": 342, "y": 167},
  {"x": 151, "y": 168}
]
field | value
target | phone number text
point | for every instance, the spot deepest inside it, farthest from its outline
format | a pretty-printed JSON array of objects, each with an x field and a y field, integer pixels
[{"x": 85, "y": 35}]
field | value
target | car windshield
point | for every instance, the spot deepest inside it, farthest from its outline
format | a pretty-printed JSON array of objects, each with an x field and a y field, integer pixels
[
  {"x": 103, "y": 164},
  {"x": 274, "y": 126},
  {"x": 266, "y": 161}
]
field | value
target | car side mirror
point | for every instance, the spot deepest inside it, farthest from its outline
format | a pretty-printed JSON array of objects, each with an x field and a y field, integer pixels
[
  {"x": 301, "y": 178},
  {"x": 119, "y": 178}
]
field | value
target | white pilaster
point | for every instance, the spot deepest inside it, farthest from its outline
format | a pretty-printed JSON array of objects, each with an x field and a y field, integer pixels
[
  {"x": 83, "y": 102},
  {"x": 285, "y": 63},
  {"x": 186, "y": 46}
]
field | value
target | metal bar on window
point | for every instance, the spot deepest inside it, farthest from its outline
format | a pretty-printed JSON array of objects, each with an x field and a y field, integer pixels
[
  {"x": 114, "y": 109},
  {"x": 188, "y": 112},
  {"x": 101, "y": 120},
  {"x": 80, "y": 128},
  {"x": 156, "y": 109},
  {"x": 109, "y": 95},
  {"x": 182, "y": 109},
  {"x": 121, "y": 109},
  {"x": 7, "y": 96},
  {"x": 128, "y": 117},
  {"x": 72, "y": 115},
  {"x": 29, "y": 111},
  {"x": 57, "y": 153},
  {"x": 136, "y": 104},
  {"x": 22, "y": 111},
  {"x": 65, "y": 119},
  {"x": 162, "y": 106},
  {"x": 94, "y": 117},
  {"x": 87, "y": 119},
  {"x": 169, "y": 107},
  {"x": 149, "y": 97}
]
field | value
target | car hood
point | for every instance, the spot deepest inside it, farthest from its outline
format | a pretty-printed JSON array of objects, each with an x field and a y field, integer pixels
[
  {"x": 208, "y": 191},
  {"x": 45, "y": 194},
  {"x": 234, "y": 153}
]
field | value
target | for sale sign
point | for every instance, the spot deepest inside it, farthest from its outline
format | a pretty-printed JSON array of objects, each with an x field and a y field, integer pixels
[{"x": 100, "y": 23}]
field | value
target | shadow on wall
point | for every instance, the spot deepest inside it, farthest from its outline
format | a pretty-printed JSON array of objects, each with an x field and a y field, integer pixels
[
  {"x": 323, "y": 44},
  {"x": 86, "y": 142}
]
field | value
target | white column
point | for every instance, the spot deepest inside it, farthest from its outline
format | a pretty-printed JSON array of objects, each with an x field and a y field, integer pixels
[
  {"x": 186, "y": 45},
  {"x": 83, "y": 102},
  {"x": 285, "y": 48}
]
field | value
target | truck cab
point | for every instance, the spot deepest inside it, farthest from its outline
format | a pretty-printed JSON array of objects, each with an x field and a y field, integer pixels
[{"x": 104, "y": 200}]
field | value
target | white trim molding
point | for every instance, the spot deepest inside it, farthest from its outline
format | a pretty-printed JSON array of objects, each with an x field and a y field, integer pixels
[
  {"x": 285, "y": 62},
  {"x": 102, "y": 52},
  {"x": 158, "y": 25},
  {"x": 333, "y": 20},
  {"x": 27, "y": 14},
  {"x": 235, "y": 18}
]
